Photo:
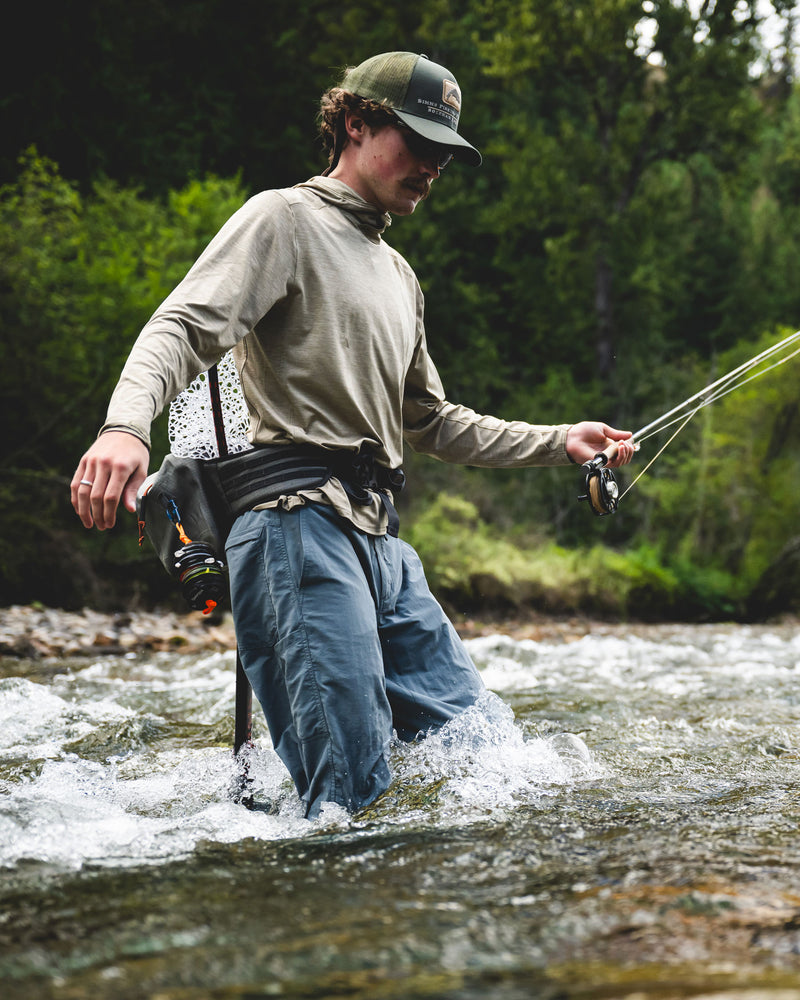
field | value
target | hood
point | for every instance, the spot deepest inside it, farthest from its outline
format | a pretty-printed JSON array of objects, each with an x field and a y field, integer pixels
[{"x": 367, "y": 217}]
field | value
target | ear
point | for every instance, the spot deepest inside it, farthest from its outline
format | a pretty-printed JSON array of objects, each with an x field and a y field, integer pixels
[{"x": 354, "y": 126}]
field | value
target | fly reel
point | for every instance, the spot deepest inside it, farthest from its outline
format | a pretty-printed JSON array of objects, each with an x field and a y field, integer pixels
[{"x": 602, "y": 490}]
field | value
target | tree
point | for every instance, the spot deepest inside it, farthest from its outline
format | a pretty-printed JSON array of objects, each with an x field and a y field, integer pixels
[
  {"x": 79, "y": 275},
  {"x": 598, "y": 96}
]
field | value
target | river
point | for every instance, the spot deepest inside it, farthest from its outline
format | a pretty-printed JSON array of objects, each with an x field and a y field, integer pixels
[{"x": 617, "y": 819}]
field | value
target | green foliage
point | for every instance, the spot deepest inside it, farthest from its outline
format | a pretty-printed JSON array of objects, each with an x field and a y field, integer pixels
[
  {"x": 475, "y": 568},
  {"x": 727, "y": 492},
  {"x": 79, "y": 276},
  {"x": 636, "y": 217},
  {"x": 589, "y": 120},
  {"x": 461, "y": 555},
  {"x": 772, "y": 222}
]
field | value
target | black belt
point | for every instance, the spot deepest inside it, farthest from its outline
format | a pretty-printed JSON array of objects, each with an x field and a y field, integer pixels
[{"x": 266, "y": 473}]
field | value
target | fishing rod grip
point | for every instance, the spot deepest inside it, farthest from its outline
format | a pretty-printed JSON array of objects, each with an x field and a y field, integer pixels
[{"x": 602, "y": 458}]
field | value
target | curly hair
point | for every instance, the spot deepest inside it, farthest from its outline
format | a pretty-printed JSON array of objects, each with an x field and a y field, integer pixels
[{"x": 334, "y": 103}]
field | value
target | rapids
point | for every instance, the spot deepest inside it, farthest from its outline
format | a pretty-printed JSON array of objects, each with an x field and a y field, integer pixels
[{"x": 617, "y": 818}]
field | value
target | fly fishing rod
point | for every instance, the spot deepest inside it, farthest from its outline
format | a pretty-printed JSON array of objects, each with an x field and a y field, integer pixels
[{"x": 601, "y": 489}]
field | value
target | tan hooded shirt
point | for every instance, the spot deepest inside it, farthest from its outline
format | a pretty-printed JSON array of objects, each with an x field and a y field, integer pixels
[{"x": 326, "y": 325}]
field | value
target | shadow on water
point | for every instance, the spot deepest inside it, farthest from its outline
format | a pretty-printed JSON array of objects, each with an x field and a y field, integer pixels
[{"x": 632, "y": 834}]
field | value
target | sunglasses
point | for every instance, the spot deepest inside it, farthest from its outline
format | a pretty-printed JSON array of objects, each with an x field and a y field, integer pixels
[{"x": 423, "y": 149}]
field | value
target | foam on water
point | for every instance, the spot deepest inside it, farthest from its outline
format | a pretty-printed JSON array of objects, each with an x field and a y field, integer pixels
[
  {"x": 144, "y": 809},
  {"x": 141, "y": 803},
  {"x": 483, "y": 762},
  {"x": 676, "y": 668},
  {"x": 110, "y": 763},
  {"x": 35, "y": 722},
  {"x": 146, "y": 804}
]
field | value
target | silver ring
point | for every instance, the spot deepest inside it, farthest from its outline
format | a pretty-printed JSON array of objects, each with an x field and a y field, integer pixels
[{"x": 86, "y": 482}]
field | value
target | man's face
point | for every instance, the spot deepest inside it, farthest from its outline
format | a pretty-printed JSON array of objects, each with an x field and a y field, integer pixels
[{"x": 391, "y": 167}]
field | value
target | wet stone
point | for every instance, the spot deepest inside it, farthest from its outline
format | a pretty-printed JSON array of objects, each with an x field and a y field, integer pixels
[{"x": 34, "y": 632}]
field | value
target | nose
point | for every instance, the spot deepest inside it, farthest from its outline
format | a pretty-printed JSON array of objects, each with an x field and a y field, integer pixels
[{"x": 429, "y": 165}]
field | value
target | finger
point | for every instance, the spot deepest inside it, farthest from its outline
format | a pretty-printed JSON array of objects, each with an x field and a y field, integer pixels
[
  {"x": 80, "y": 493},
  {"x": 123, "y": 481},
  {"x": 96, "y": 498},
  {"x": 131, "y": 489},
  {"x": 625, "y": 453},
  {"x": 616, "y": 435},
  {"x": 108, "y": 501}
]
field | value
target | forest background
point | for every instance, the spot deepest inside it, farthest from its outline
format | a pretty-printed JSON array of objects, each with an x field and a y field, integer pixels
[{"x": 632, "y": 234}]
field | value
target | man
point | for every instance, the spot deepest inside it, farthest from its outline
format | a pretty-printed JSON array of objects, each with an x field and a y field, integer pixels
[{"x": 338, "y": 633}]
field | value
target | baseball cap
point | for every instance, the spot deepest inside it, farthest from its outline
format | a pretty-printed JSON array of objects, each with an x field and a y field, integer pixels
[{"x": 424, "y": 95}]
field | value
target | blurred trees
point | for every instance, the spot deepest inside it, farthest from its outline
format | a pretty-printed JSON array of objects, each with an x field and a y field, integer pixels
[
  {"x": 79, "y": 275},
  {"x": 586, "y": 208},
  {"x": 636, "y": 219}
]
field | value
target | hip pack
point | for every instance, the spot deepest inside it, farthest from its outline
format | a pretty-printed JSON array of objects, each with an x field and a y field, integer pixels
[
  {"x": 181, "y": 514},
  {"x": 188, "y": 507}
]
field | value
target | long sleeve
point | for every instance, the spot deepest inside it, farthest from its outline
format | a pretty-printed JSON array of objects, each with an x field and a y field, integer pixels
[
  {"x": 457, "y": 434},
  {"x": 242, "y": 273}
]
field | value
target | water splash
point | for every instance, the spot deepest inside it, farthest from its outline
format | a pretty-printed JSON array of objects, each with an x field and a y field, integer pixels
[
  {"x": 153, "y": 808},
  {"x": 106, "y": 772},
  {"x": 126, "y": 760},
  {"x": 480, "y": 764}
]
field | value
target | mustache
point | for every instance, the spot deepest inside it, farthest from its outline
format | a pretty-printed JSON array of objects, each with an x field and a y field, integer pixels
[{"x": 423, "y": 188}]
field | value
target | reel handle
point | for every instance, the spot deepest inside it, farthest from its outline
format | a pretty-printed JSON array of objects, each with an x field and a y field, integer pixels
[{"x": 602, "y": 458}]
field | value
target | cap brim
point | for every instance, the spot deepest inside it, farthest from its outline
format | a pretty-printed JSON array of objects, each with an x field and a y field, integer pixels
[{"x": 443, "y": 135}]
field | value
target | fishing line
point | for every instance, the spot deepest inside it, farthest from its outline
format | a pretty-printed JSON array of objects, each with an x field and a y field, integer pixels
[
  {"x": 660, "y": 450},
  {"x": 724, "y": 385},
  {"x": 601, "y": 489}
]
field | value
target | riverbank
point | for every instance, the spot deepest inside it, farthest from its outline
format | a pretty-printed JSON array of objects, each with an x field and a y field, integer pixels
[{"x": 34, "y": 632}]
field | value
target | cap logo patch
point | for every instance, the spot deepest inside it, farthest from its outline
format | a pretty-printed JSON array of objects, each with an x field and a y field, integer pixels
[{"x": 451, "y": 94}]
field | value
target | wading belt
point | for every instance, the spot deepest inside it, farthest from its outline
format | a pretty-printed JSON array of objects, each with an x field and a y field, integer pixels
[{"x": 266, "y": 473}]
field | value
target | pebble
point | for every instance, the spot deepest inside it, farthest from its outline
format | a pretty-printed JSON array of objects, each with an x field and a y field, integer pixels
[{"x": 35, "y": 632}]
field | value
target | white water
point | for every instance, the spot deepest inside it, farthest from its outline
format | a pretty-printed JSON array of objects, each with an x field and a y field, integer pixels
[
  {"x": 146, "y": 803},
  {"x": 617, "y": 819},
  {"x": 126, "y": 760}
]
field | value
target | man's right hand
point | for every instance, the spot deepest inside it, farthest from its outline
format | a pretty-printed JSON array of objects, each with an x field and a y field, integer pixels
[{"x": 113, "y": 469}]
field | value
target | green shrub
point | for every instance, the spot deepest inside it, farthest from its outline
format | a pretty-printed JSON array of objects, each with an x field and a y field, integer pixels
[
  {"x": 79, "y": 276},
  {"x": 471, "y": 567}
]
